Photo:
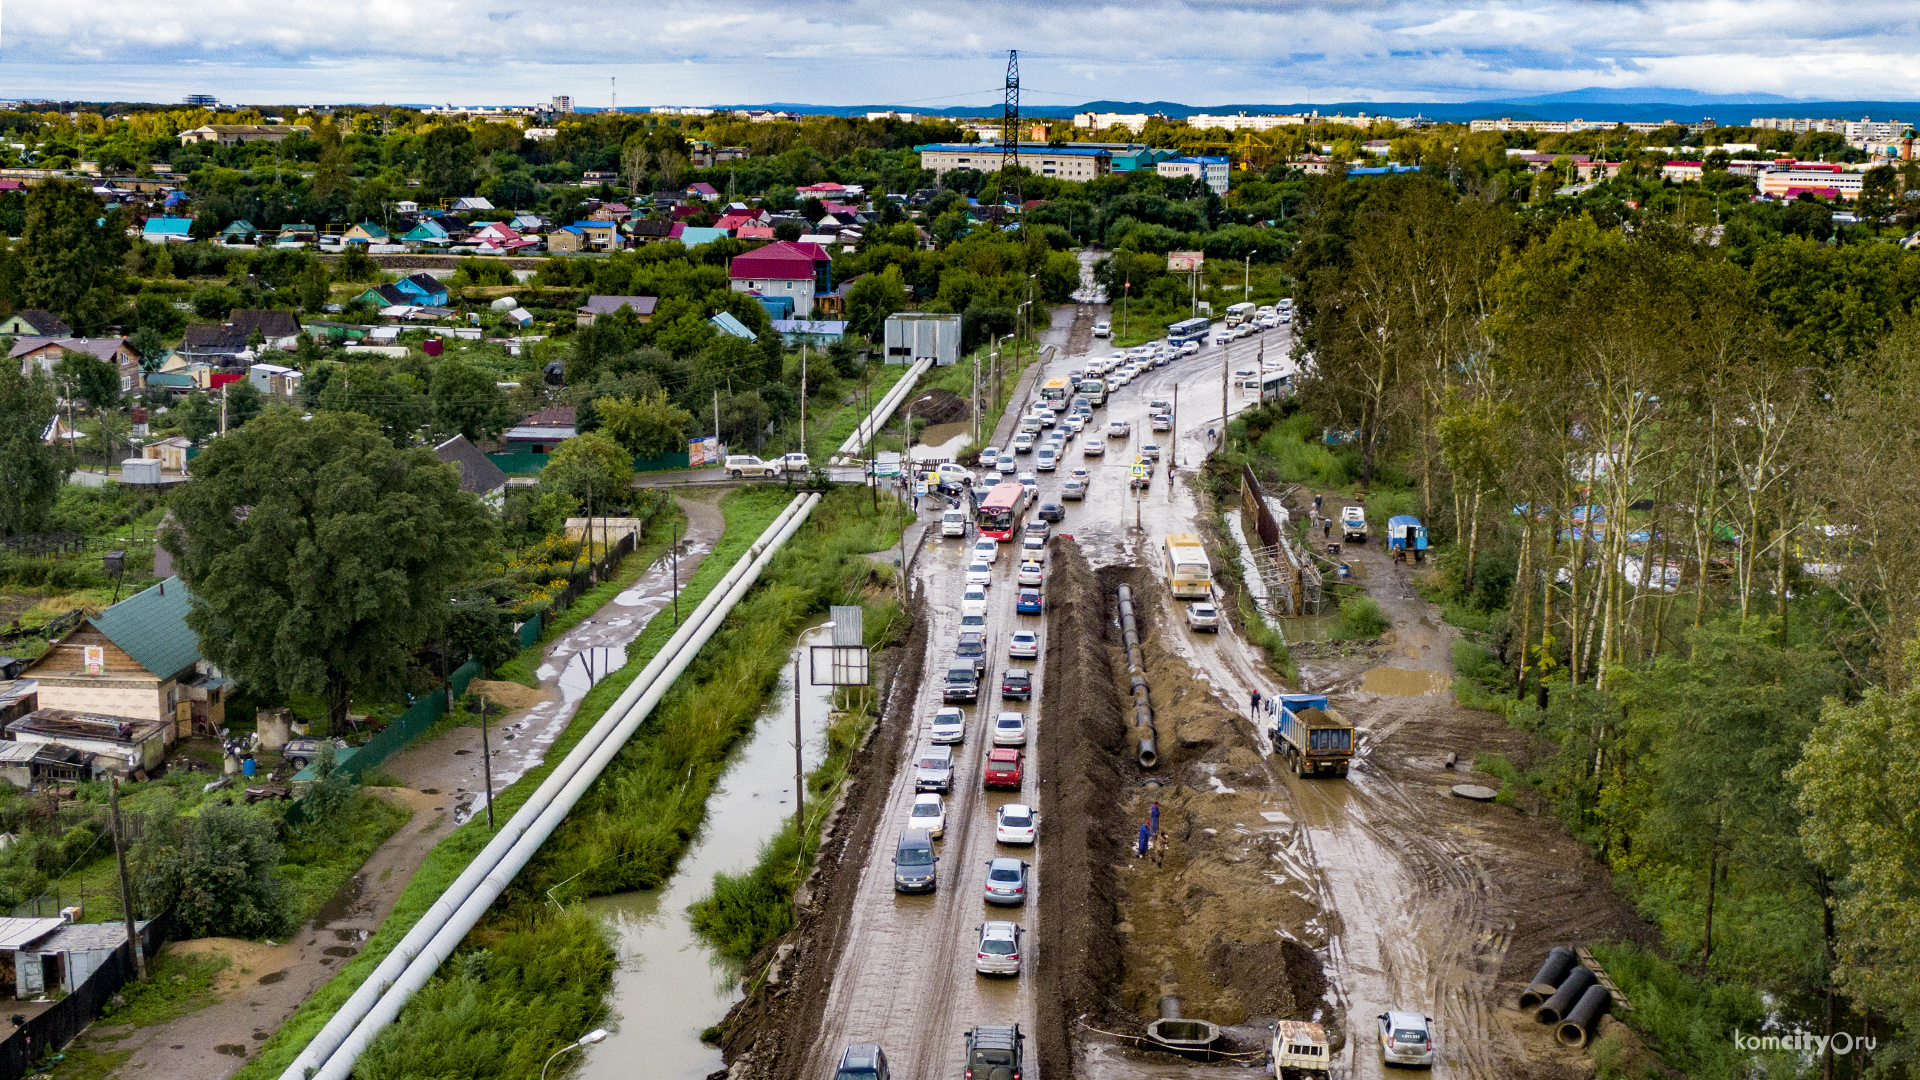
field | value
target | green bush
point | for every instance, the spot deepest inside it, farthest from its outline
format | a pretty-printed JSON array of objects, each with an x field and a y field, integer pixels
[
  {"x": 1384, "y": 505},
  {"x": 1300, "y": 455},
  {"x": 1691, "y": 1023},
  {"x": 1360, "y": 618},
  {"x": 213, "y": 874}
]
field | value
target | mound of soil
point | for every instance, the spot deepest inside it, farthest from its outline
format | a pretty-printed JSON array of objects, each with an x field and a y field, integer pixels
[
  {"x": 1084, "y": 758},
  {"x": 939, "y": 406},
  {"x": 1278, "y": 979}
]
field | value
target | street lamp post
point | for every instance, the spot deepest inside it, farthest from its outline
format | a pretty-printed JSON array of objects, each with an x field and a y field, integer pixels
[
  {"x": 591, "y": 1037},
  {"x": 1246, "y": 276}
]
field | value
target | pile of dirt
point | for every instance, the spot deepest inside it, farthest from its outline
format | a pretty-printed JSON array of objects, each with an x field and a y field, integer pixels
[
  {"x": 510, "y": 694},
  {"x": 1083, "y": 758},
  {"x": 939, "y": 406},
  {"x": 1275, "y": 979},
  {"x": 769, "y": 1032},
  {"x": 1188, "y": 719}
]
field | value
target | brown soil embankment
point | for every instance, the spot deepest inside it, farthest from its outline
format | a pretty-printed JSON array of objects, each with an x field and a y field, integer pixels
[{"x": 1083, "y": 757}]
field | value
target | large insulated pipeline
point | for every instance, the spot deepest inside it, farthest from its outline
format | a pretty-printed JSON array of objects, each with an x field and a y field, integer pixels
[
  {"x": 1137, "y": 680},
  {"x": 1564, "y": 999},
  {"x": 1548, "y": 979},
  {"x": 1578, "y": 1027}
]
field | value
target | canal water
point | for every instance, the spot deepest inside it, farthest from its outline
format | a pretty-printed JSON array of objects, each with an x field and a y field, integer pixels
[{"x": 669, "y": 986}]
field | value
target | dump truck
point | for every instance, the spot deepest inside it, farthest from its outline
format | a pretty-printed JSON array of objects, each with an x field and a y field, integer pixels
[
  {"x": 1312, "y": 737},
  {"x": 1299, "y": 1050}
]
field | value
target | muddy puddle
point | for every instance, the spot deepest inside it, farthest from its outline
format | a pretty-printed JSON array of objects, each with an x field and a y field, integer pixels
[
  {"x": 1400, "y": 682},
  {"x": 670, "y": 986}
]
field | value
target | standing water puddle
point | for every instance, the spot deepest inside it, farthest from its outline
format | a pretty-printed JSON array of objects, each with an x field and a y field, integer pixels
[{"x": 669, "y": 986}]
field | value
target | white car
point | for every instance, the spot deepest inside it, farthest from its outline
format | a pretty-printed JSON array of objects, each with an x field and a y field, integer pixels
[
  {"x": 980, "y": 574},
  {"x": 1031, "y": 573},
  {"x": 973, "y": 600},
  {"x": 1074, "y": 424},
  {"x": 1031, "y": 483},
  {"x": 1150, "y": 451},
  {"x": 949, "y": 726},
  {"x": 986, "y": 549},
  {"x": 1033, "y": 545},
  {"x": 1023, "y": 443},
  {"x": 929, "y": 812},
  {"x": 1406, "y": 1038},
  {"x": 1010, "y": 729},
  {"x": 952, "y": 473},
  {"x": 1202, "y": 615},
  {"x": 1005, "y": 465},
  {"x": 1094, "y": 448},
  {"x": 999, "y": 950},
  {"x": 1160, "y": 422},
  {"x": 1245, "y": 330},
  {"x": 1046, "y": 459},
  {"x": 1222, "y": 336},
  {"x": 1119, "y": 429},
  {"x": 1103, "y": 329},
  {"x": 1189, "y": 348},
  {"x": 1024, "y": 645},
  {"x": 989, "y": 457},
  {"x": 1015, "y": 824}
]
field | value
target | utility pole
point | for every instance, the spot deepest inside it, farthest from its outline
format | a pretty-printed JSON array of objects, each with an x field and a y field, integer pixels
[
  {"x": 223, "y": 407},
  {"x": 126, "y": 885},
  {"x": 674, "y": 552},
  {"x": 1176, "y": 431},
  {"x": 486, "y": 757},
  {"x": 799, "y": 768},
  {"x": 1226, "y": 380},
  {"x": 1246, "y": 276},
  {"x": 803, "y": 397},
  {"x": 976, "y": 396}
]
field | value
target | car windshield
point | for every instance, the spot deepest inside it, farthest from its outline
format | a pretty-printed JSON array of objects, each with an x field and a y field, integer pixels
[
  {"x": 993, "y": 1057},
  {"x": 1016, "y": 821},
  {"x": 997, "y": 946},
  {"x": 926, "y": 809},
  {"x": 933, "y": 763},
  {"x": 1004, "y": 873},
  {"x": 916, "y": 856}
]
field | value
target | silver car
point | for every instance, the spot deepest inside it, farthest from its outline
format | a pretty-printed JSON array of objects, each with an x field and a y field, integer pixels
[
  {"x": 1006, "y": 881},
  {"x": 949, "y": 726},
  {"x": 1406, "y": 1038},
  {"x": 999, "y": 950}
]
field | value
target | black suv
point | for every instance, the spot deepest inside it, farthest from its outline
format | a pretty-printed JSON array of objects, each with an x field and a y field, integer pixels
[
  {"x": 862, "y": 1061},
  {"x": 1016, "y": 684},
  {"x": 993, "y": 1052},
  {"x": 1052, "y": 511}
]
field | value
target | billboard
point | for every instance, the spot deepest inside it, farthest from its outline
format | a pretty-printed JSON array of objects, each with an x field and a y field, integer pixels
[
  {"x": 1185, "y": 262},
  {"x": 707, "y": 451}
]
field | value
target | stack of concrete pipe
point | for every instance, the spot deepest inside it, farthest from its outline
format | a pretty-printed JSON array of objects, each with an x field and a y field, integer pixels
[
  {"x": 1569, "y": 996},
  {"x": 1137, "y": 679}
]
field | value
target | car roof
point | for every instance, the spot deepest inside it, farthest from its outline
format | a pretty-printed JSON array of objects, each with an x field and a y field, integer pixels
[
  {"x": 1001, "y": 862},
  {"x": 1019, "y": 671},
  {"x": 1026, "y": 633},
  {"x": 1009, "y": 713},
  {"x": 1015, "y": 806},
  {"x": 861, "y": 1056},
  {"x": 937, "y": 751},
  {"x": 1004, "y": 753},
  {"x": 916, "y": 837},
  {"x": 999, "y": 928},
  {"x": 927, "y": 797},
  {"x": 1401, "y": 1018}
]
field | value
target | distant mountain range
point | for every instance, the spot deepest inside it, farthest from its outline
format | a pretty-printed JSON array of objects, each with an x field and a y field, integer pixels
[{"x": 1592, "y": 103}]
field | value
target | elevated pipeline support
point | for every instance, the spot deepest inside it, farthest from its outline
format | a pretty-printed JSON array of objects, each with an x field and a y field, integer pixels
[
  {"x": 1548, "y": 978},
  {"x": 1137, "y": 680},
  {"x": 1578, "y": 1028},
  {"x": 1556, "y": 1008}
]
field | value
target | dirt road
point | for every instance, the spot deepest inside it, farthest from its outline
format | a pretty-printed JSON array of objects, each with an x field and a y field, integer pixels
[{"x": 444, "y": 777}]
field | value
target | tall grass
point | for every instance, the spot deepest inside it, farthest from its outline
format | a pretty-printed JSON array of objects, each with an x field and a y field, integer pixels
[
  {"x": 1691, "y": 1023},
  {"x": 748, "y": 512},
  {"x": 1299, "y": 454},
  {"x": 1360, "y": 618}
]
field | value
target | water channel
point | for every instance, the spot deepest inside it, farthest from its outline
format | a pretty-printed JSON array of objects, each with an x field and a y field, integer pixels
[{"x": 669, "y": 986}]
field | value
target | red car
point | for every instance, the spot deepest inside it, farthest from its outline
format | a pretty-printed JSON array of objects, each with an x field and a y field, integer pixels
[{"x": 1003, "y": 768}]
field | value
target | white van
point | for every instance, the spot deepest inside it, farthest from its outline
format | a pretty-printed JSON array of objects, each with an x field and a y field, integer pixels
[
  {"x": 1103, "y": 328},
  {"x": 953, "y": 522}
]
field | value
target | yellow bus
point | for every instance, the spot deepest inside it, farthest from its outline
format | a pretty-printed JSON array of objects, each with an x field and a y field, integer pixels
[
  {"x": 1188, "y": 573},
  {"x": 1054, "y": 392}
]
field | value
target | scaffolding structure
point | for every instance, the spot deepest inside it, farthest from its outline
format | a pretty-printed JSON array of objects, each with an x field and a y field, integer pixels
[{"x": 1292, "y": 582}]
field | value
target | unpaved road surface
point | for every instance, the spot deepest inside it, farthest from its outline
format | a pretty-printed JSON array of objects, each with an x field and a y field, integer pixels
[{"x": 267, "y": 982}]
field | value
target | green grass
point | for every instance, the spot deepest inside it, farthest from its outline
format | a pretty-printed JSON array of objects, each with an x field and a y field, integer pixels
[
  {"x": 1360, "y": 618},
  {"x": 826, "y": 433},
  {"x": 958, "y": 379},
  {"x": 748, "y": 512},
  {"x": 177, "y": 984},
  {"x": 1255, "y": 628},
  {"x": 1688, "y": 1022},
  {"x": 320, "y": 859},
  {"x": 653, "y": 543},
  {"x": 1296, "y": 450}
]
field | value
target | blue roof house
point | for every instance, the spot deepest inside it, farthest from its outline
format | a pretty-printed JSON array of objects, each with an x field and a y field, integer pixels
[
  {"x": 165, "y": 230},
  {"x": 424, "y": 289}
]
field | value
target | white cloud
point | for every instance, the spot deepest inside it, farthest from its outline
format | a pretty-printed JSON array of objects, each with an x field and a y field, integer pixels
[{"x": 872, "y": 51}]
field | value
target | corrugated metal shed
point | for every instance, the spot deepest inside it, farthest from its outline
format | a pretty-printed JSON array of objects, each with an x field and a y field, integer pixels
[{"x": 19, "y": 933}]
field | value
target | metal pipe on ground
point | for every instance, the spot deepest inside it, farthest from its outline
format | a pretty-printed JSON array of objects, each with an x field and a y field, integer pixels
[
  {"x": 1137, "y": 680},
  {"x": 363, "y": 998},
  {"x": 1556, "y": 1008},
  {"x": 339, "y": 1064},
  {"x": 1578, "y": 1027},
  {"x": 1548, "y": 978}
]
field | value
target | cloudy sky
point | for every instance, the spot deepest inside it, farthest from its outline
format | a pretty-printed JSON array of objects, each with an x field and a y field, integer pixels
[{"x": 1199, "y": 52}]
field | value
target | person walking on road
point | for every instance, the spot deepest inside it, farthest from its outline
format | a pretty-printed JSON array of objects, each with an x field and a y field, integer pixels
[
  {"x": 1146, "y": 837},
  {"x": 1153, "y": 818},
  {"x": 1316, "y": 504},
  {"x": 1256, "y": 704}
]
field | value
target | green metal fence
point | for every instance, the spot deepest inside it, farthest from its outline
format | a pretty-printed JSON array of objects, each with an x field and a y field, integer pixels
[
  {"x": 530, "y": 631},
  {"x": 395, "y": 736}
]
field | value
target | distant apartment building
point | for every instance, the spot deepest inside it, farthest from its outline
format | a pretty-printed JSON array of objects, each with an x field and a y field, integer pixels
[
  {"x": 1059, "y": 162},
  {"x": 562, "y": 103},
  {"x": 1214, "y": 171},
  {"x": 1243, "y": 122},
  {"x": 1134, "y": 122},
  {"x": 1835, "y": 182},
  {"x": 903, "y": 117},
  {"x": 200, "y": 101},
  {"x": 1858, "y": 133},
  {"x": 1561, "y": 127}
]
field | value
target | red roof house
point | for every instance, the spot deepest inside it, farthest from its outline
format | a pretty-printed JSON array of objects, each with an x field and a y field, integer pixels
[{"x": 784, "y": 268}]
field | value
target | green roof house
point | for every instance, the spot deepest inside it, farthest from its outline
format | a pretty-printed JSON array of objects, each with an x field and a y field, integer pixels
[
  {"x": 137, "y": 660},
  {"x": 365, "y": 233},
  {"x": 240, "y": 232}
]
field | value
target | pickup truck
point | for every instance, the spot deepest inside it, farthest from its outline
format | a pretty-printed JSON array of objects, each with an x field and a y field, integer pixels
[
  {"x": 1299, "y": 1050},
  {"x": 1311, "y": 736}
]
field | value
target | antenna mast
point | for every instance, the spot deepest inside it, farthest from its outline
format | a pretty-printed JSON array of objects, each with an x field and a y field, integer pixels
[{"x": 1010, "y": 129}]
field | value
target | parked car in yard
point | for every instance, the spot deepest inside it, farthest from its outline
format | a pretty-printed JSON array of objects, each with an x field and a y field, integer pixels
[
  {"x": 998, "y": 952},
  {"x": 305, "y": 750},
  {"x": 1006, "y": 881},
  {"x": 1016, "y": 823},
  {"x": 930, "y": 813}
]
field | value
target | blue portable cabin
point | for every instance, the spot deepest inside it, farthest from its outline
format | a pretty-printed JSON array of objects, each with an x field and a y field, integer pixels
[{"x": 1405, "y": 532}]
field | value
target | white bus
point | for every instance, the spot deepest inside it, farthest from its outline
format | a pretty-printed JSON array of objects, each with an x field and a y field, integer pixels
[
  {"x": 1188, "y": 573},
  {"x": 1240, "y": 313}
]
